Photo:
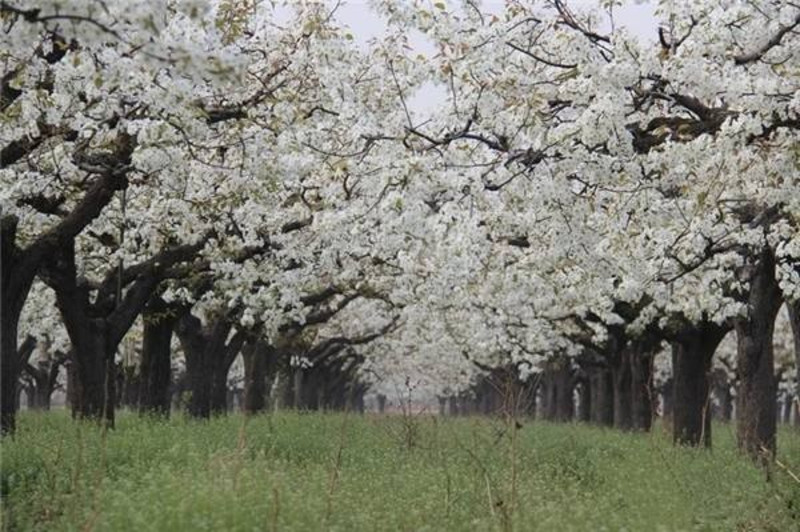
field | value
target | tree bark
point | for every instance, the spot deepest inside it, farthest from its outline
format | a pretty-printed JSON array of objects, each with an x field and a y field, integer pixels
[
  {"x": 19, "y": 267},
  {"x": 602, "y": 406},
  {"x": 667, "y": 395},
  {"x": 641, "y": 388},
  {"x": 255, "y": 354},
  {"x": 622, "y": 376},
  {"x": 209, "y": 356},
  {"x": 691, "y": 365},
  {"x": 585, "y": 401},
  {"x": 44, "y": 376},
  {"x": 219, "y": 391},
  {"x": 382, "y": 404},
  {"x": 757, "y": 390},
  {"x": 156, "y": 367}
]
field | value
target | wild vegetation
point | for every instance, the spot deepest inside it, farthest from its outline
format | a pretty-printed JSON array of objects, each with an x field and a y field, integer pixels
[{"x": 314, "y": 471}]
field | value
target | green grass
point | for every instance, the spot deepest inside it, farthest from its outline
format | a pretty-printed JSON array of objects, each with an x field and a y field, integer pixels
[{"x": 338, "y": 472}]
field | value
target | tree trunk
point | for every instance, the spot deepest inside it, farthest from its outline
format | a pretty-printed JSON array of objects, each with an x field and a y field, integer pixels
[
  {"x": 90, "y": 366},
  {"x": 297, "y": 388},
  {"x": 156, "y": 367},
  {"x": 757, "y": 390},
  {"x": 208, "y": 360},
  {"x": 255, "y": 354},
  {"x": 585, "y": 401},
  {"x": 622, "y": 376},
  {"x": 198, "y": 379},
  {"x": 602, "y": 406},
  {"x": 691, "y": 366},
  {"x": 565, "y": 409},
  {"x": 641, "y": 389},
  {"x": 442, "y": 405},
  {"x": 382, "y": 404},
  {"x": 219, "y": 391},
  {"x": 30, "y": 397},
  {"x": 667, "y": 396},
  {"x": 42, "y": 399},
  {"x": 10, "y": 362}
]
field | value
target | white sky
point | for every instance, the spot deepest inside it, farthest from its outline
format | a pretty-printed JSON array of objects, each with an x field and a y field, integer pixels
[{"x": 638, "y": 17}]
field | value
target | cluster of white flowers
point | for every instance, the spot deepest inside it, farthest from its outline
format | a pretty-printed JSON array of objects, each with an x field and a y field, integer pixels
[{"x": 567, "y": 171}]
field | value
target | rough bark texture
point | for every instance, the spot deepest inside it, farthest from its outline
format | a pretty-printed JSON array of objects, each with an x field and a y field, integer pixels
[
  {"x": 757, "y": 391},
  {"x": 691, "y": 365}
]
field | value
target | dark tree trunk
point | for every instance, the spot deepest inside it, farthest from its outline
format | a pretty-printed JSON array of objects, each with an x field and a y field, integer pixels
[
  {"x": 565, "y": 410},
  {"x": 72, "y": 384},
  {"x": 667, "y": 395},
  {"x": 442, "y": 405},
  {"x": 30, "y": 396},
  {"x": 691, "y": 366},
  {"x": 546, "y": 400},
  {"x": 641, "y": 388},
  {"x": 19, "y": 267},
  {"x": 130, "y": 388},
  {"x": 198, "y": 379},
  {"x": 602, "y": 406},
  {"x": 557, "y": 397},
  {"x": 757, "y": 390},
  {"x": 208, "y": 360},
  {"x": 156, "y": 367},
  {"x": 10, "y": 312},
  {"x": 43, "y": 394},
  {"x": 219, "y": 391},
  {"x": 622, "y": 376},
  {"x": 297, "y": 387},
  {"x": 382, "y": 404},
  {"x": 89, "y": 366},
  {"x": 255, "y": 354},
  {"x": 585, "y": 402}
]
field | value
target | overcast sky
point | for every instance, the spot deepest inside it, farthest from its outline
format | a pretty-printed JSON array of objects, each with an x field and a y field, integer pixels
[{"x": 637, "y": 17}]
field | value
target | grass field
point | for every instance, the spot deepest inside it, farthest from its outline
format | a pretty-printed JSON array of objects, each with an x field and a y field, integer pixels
[{"x": 345, "y": 472}]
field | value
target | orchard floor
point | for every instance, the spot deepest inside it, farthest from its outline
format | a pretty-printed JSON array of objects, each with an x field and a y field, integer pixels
[{"x": 292, "y": 471}]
